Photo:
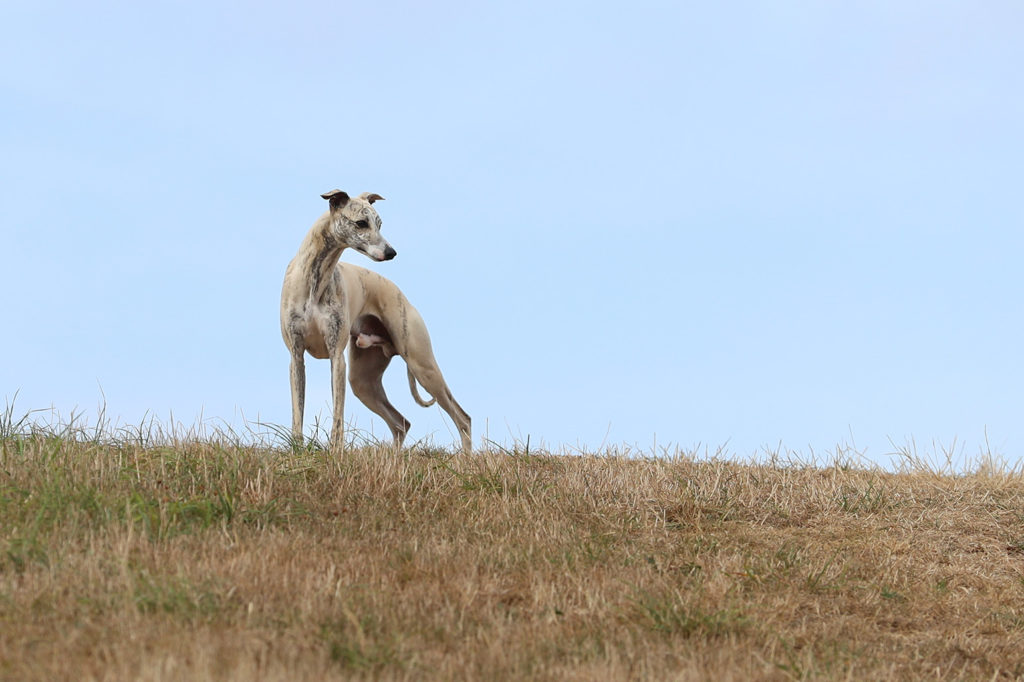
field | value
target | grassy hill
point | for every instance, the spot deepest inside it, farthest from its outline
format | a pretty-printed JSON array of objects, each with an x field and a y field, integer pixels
[{"x": 121, "y": 558}]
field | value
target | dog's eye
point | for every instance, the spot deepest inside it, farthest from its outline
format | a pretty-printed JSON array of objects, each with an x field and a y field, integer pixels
[{"x": 362, "y": 225}]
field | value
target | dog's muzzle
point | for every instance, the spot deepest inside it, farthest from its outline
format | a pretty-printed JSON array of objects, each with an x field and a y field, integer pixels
[{"x": 389, "y": 253}]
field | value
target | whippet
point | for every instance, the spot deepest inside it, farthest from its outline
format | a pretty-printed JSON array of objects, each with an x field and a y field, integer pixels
[{"x": 325, "y": 304}]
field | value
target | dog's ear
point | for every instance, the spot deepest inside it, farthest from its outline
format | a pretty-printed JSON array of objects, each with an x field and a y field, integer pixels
[
  {"x": 337, "y": 198},
  {"x": 372, "y": 197}
]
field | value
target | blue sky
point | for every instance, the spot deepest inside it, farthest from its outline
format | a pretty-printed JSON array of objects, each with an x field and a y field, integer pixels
[{"x": 692, "y": 224}]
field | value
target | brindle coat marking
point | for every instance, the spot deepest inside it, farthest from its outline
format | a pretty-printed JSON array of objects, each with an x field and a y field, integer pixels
[{"x": 324, "y": 303}]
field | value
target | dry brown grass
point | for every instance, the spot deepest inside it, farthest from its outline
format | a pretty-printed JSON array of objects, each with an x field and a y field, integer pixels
[{"x": 203, "y": 560}]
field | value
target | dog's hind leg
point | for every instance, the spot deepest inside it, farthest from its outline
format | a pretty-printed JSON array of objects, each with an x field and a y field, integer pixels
[{"x": 366, "y": 368}]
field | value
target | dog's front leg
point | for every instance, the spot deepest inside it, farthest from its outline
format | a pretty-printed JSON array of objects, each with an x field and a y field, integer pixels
[
  {"x": 338, "y": 394},
  {"x": 336, "y": 336},
  {"x": 298, "y": 384}
]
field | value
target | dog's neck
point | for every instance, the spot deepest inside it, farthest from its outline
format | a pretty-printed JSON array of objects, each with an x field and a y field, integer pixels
[{"x": 322, "y": 251}]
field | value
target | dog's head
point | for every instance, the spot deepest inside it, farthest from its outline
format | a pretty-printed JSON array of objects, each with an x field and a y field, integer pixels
[{"x": 355, "y": 223}]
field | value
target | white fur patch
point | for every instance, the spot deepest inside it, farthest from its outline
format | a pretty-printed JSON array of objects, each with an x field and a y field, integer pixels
[{"x": 367, "y": 340}]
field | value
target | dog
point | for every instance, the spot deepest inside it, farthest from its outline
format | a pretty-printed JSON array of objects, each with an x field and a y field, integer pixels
[{"x": 327, "y": 305}]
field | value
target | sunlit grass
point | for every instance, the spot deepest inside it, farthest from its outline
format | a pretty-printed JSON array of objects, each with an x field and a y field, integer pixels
[{"x": 152, "y": 552}]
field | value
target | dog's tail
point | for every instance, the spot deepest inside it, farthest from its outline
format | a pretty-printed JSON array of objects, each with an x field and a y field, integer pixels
[{"x": 415, "y": 393}]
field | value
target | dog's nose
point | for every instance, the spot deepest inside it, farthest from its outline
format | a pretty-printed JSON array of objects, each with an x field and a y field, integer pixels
[{"x": 389, "y": 253}]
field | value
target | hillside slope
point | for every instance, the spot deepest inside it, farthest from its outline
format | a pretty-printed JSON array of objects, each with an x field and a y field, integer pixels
[{"x": 206, "y": 560}]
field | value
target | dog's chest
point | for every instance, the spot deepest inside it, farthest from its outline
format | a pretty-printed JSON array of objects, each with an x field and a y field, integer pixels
[{"x": 324, "y": 329}]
